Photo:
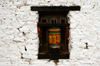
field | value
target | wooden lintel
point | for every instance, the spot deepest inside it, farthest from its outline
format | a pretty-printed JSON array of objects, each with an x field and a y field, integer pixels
[{"x": 55, "y": 8}]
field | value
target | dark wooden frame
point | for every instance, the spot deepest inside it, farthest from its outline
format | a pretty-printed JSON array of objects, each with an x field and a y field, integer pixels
[{"x": 55, "y": 10}]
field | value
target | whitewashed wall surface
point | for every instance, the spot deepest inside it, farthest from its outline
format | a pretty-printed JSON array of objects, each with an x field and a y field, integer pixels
[{"x": 18, "y": 32}]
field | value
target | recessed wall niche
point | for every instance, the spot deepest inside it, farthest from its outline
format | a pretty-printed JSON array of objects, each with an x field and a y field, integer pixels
[{"x": 53, "y": 31}]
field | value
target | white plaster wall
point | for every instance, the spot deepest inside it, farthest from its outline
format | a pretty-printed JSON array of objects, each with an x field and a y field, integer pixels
[{"x": 18, "y": 29}]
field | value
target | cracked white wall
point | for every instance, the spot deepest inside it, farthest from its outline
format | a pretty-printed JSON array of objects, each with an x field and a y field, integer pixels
[{"x": 19, "y": 38}]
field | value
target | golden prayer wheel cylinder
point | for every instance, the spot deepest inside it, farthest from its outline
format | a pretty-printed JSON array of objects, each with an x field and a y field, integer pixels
[{"x": 54, "y": 37}]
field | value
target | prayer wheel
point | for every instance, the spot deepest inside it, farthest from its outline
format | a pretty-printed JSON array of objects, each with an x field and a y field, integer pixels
[{"x": 54, "y": 37}]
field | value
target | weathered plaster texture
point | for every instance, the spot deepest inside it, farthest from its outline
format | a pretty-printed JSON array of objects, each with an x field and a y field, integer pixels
[{"x": 19, "y": 38}]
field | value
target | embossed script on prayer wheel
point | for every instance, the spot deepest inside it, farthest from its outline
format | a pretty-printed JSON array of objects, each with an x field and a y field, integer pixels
[{"x": 54, "y": 37}]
